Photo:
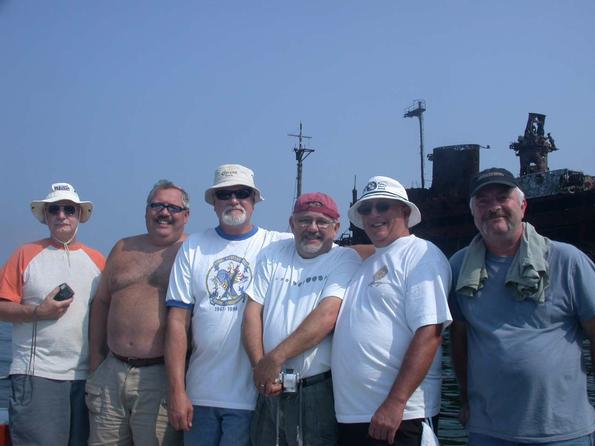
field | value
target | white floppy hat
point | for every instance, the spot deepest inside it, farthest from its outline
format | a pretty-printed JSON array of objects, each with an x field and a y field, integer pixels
[
  {"x": 384, "y": 187},
  {"x": 59, "y": 192},
  {"x": 228, "y": 175}
]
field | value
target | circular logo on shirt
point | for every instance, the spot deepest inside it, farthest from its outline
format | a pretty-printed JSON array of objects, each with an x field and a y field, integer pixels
[{"x": 227, "y": 280}]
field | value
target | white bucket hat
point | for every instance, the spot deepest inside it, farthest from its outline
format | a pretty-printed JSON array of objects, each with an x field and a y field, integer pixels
[
  {"x": 228, "y": 175},
  {"x": 384, "y": 187},
  {"x": 59, "y": 192}
]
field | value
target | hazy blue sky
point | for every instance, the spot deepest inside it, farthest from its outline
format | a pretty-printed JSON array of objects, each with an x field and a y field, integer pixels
[{"x": 114, "y": 95}]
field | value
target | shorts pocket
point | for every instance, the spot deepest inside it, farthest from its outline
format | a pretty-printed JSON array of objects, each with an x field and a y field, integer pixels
[{"x": 93, "y": 398}]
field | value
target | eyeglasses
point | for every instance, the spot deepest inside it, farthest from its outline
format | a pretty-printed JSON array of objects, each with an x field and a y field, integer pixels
[
  {"x": 304, "y": 223},
  {"x": 172, "y": 208},
  {"x": 69, "y": 209},
  {"x": 240, "y": 194},
  {"x": 381, "y": 207}
]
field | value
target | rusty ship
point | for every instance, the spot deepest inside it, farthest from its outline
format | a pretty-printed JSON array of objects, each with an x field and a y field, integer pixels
[{"x": 561, "y": 202}]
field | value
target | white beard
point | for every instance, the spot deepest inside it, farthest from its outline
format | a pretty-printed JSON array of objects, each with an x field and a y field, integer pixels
[{"x": 232, "y": 219}]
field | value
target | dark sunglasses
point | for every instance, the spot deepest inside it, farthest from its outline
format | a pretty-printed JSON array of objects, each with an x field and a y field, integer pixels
[
  {"x": 381, "y": 207},
  {"x": 54, "y": 209},
  {"x": 172, "y": 208},
  {"x": 240, "y": 194}
]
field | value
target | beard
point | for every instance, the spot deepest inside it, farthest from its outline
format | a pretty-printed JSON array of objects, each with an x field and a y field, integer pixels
[{"x": 230, "y": 218}]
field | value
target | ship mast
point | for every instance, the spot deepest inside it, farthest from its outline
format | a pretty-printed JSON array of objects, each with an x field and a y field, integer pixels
[
  {"x": 417, "y": 110},
  {"x": 301, "y": 153}
]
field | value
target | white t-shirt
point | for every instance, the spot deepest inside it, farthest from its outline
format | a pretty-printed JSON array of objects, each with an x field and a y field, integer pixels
[
  {"x": 210, "y": 276},
  {"x": 291, "y": 287},
  {"x": 399, "y": 289}
]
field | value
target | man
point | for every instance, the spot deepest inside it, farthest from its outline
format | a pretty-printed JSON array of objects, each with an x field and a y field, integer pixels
[
  {"x": 213, "y": 402},
  {"x": 49, "y": 336},
  {"x": 127, "y": 392},
  {"x": 522, "y": 304},
  {"x": 298, "y": 288},
  {"x": 386, "y": 347}
]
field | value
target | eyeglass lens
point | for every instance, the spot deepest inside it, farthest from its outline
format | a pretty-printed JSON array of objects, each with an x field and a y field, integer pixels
[
  {"x": 307, "y": 222},
  {"x": 381, "y": 208},
  {"x": 54, "y": 209},
  {"x": 172, "y": 208},
  {"x": 240, "y": 194}
]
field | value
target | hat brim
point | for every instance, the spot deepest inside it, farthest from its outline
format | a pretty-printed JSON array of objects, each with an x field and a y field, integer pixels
[
  {"x": 356, "y": 219},
  {"x": 210, "y": 192},
  {"x": 38, "y": 207}
]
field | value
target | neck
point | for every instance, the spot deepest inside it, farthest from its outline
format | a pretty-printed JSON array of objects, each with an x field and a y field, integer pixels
[
  {"x": 236, "y": 230},
  {"x": 161, "y": 242},
  {"x": 504, "y": 247}
]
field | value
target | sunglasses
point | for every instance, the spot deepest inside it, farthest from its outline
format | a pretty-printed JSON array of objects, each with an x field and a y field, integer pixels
[
  {"x": 240, "y": 194},
  {"x": 68, "y": 209},
  {"x": 172, "y": 208},
  {"x": 381, "y": 207}
]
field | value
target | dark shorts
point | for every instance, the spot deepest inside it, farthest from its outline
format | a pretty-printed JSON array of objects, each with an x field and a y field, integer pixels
[
  {"x": 409, "y": 434},
  {"x": 47, "y": 411}
]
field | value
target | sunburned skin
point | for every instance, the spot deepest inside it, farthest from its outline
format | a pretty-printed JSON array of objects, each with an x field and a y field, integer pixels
[{"x": 137, "y": 282}]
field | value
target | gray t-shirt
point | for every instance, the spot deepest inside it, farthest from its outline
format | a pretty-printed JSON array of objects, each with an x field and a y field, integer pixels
[{"x": 526, "y": 375}]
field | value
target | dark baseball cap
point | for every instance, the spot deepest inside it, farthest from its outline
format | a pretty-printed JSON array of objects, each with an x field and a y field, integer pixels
[
  {"x": 317, "y": 202},
  {"x": 494, "y": 175}
]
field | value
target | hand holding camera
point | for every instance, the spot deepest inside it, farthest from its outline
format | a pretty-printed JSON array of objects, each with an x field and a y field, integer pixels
[{"x": 55, "y": 304}]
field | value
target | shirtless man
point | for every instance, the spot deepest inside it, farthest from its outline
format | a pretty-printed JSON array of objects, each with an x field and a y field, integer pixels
[{"x": 126, "y": 392}]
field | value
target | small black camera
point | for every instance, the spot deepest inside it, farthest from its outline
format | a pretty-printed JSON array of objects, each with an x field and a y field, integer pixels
[{"x": 64, "y": 293}]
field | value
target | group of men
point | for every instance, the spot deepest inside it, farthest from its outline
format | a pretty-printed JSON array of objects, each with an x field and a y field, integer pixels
[{"x": 239, "y": 335}]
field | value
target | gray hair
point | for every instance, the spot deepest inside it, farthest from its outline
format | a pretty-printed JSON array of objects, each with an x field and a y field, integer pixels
[
  {"x": 520, "y": 195},
  {"x": 166, "y": 184}
]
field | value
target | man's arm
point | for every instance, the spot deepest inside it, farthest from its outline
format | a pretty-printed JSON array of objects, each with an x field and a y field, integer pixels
[
  {"x": 48, "y": 309},
  {"x": 252, "y": 331},
  {"x": 98, "y": 348},
  {"x": 180, "y": 411},
  {"x": 317, "y": 325},
  {"x": 416, "y": 363},
  {"x": 589, "y": 328},
  {"x": 458, "y": 355}
]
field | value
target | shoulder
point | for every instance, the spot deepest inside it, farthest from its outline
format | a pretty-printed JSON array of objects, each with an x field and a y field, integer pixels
[
  {"x": 342, "y": 252},
  {"x": 457, "y": 258},
  {"x": 26, "y": 252},
  {"x": 275, "y": 235},
  {"x": 96, "y": 256},
  {"x": 564, "y": 253}
]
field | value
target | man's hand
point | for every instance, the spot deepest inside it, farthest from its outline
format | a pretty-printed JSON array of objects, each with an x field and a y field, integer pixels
[
  {"x": 266, "y": 375},
  {"x": 180, "y": 411},
  {"x": 50, "y": 309},
  {"x": 386, "y": 421}
]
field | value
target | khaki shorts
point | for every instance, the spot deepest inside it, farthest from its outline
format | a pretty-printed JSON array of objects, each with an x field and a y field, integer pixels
[{"x": 127, "y": 405}]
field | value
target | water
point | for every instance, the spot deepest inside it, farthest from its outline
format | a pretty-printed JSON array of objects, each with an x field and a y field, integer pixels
[{"x": 450, "y": 431}]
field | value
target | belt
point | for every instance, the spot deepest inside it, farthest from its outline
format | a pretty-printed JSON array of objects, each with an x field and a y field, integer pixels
[
  {"x": 315, "y": 379},
  {"x": 139, "y": 362}
]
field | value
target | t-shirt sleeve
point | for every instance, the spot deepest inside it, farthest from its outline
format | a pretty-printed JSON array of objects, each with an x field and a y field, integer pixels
[
  {"x": 179, "y": 291},
  {"x": 259, "y": 287},
  {"x": 346, "y": 265},
  {"x": 13, "y": 272},
  {"x": 583, "y": 278},
  {"x": 455, "y": 264},
  {"x": 428, "y": 284}
]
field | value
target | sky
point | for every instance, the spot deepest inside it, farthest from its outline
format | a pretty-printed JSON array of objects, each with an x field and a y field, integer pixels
[{"x": 113, "y": 95}]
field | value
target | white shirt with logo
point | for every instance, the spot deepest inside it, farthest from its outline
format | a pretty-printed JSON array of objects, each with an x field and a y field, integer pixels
[
  {"x": 210, "y": 277},
  {"x": 291, "y": 287},
  {"x": 402, "y": 287}
]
